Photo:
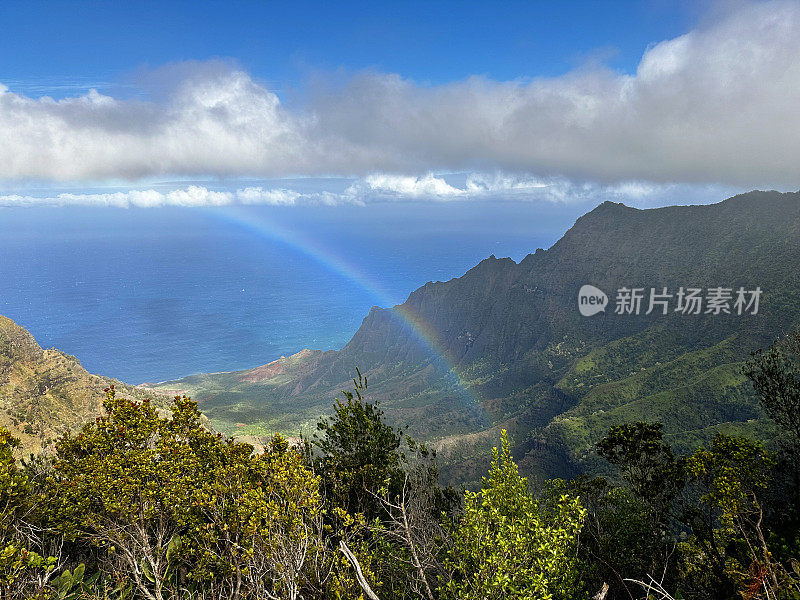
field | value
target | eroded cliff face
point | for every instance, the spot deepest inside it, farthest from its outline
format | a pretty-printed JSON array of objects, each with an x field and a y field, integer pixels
[{"x": 46, "y": 392}]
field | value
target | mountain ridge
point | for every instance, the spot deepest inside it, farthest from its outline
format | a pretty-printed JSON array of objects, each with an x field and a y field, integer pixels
[
  {"x": 45, "y": 392},
  {"x": 512, "y": 333}
]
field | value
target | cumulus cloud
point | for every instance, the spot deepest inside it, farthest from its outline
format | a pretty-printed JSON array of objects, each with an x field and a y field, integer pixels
[
  {"x": 192, "y": 195},
  {"x": 391, "y": 188},
  {"x": 276, "y": 197},
  {"x": 388, "y": 187},
  {"x": 720, "y": 104},
  {"x": 214, "y": 121},
  {"x": 383, "y": 185}
]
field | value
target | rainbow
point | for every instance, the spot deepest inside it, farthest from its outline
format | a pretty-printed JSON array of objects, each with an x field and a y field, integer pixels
[{"x": 264, "y": 227}]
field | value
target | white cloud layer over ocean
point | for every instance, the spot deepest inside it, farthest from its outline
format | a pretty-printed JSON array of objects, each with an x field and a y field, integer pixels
[
  {"x": 387, "y": 188},
  {"x": 718, "y": 105}
]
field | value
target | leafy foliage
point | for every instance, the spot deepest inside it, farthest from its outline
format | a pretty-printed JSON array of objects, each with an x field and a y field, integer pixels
[
  {"x": 508, "y": 545},
  {"x": 359, "y": 453},
  {"x": 19, "y": 564},
  {"x": 647, "y": 463},
  {"x": 776, "y": 377},
  {"x": 159, "y": 507},
  {"x": 172, "y": 505}
]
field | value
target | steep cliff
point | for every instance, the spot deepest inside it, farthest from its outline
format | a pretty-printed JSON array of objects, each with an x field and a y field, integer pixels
[{"x": 505, "y": 345}]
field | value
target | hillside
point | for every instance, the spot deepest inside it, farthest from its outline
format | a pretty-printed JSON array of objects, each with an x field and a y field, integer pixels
[
  {"x": 528, "y": 361},
  {"x": 45, "y": 392}
]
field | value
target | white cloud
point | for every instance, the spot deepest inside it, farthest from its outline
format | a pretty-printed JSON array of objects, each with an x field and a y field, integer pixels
[
  {"x": 720, "y": 104},
  {"x": 404, "y": 187},
  {"x": 190, "y": 196},
  {"x": 378, "y": 188},
  {"x": 258, "y": 195},
  {"x": 503, "y": 184},
  {"x": 212, "y": 122},
  {"x": 387, "y": 187},
  {"x": 195, "y": 196}
]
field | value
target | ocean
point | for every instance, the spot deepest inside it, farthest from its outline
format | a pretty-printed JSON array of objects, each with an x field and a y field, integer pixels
[{"x": 151, "y": 294}]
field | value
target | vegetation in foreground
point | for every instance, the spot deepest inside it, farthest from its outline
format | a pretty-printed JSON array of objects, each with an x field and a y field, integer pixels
[{"x": 141, "y": 506}]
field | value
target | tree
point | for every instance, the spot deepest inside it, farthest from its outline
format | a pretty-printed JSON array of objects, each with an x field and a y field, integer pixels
[
  {"x": 261, "y": 516},
  {"x": 646, "y": 462},
  {"x": 123, "y": 484},
  {"x": 656, "y": 478},
  {"x": 173, "y": 506},
  {"x": 508, "y": 545},
  {"x": 732, "y": 474},
  {"x": 776, "y": 377},
  {"x": 416, "y": 520},
  {"x": 617, "y": 541},
  {"x": 358, "y": 453},
  {"x": 23, "y": 572},
  {"x": 386, "y": 480}
]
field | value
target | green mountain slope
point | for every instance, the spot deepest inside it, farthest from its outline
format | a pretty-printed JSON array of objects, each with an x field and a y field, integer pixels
[{"x": 531, "y": 363}]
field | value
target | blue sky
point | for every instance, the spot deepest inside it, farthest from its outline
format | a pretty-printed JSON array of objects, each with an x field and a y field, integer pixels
[
  {"x": 104, "y": 44},
  {"x": 213, "y": 103}
]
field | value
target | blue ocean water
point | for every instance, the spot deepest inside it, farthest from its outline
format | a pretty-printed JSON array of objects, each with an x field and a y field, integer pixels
[{"x": 160, "y": 293}]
